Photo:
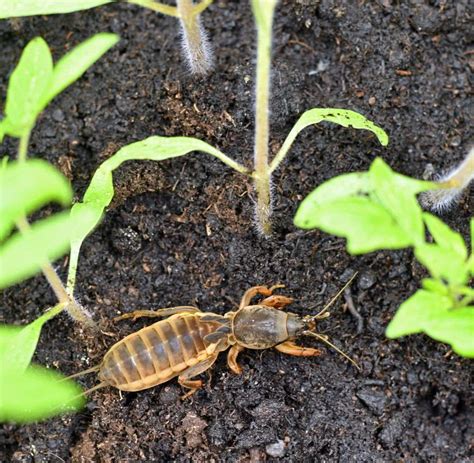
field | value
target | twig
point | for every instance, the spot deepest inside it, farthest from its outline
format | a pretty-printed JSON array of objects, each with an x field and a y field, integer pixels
[{"x": 350, "y": 305}]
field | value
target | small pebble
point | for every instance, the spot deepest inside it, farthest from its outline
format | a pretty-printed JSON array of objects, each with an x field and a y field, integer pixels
[
  {"x": 373, "y": 400},
  {"x": 58, "y": 115},
  {"x": 366, "y": 280},
  {"x": 277, "y": 449},
  {"x": 346, "y": 275}
]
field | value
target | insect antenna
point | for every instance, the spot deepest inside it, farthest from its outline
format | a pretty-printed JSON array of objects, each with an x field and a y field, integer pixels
[
  {"x": 324, "y": 313},
  {"x": 323, "y": 338}
]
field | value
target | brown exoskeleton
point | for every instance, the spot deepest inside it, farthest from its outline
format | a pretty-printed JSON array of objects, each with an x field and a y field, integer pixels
[{"x": 188, "y": 342}]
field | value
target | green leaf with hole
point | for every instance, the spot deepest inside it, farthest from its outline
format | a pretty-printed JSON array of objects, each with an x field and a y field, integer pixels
[
  {"x": 101, "y": 190},
  {"x": 27, "y": 84},
  {"x": 75, "y": 63},
  {"x": 27, "y": 186},
  {"x": 36, "y": 394},
  {"x": 16, "y": 8},
  {"x": 22, "y": 255},
  {"x": 343, "y": 117}
]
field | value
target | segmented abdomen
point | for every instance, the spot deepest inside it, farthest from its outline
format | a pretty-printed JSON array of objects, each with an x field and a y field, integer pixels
[{"x": 157, "y": 353}]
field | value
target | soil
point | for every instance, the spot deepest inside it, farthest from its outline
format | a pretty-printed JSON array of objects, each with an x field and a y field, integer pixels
[{"x": 181, "y": 232}]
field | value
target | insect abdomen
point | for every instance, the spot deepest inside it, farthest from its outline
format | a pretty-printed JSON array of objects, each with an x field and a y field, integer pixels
[{"x": 156, "y": 353}]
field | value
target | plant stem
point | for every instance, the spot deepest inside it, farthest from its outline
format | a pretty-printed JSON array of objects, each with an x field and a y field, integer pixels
[
  {"x": 195, "y": 44},
  {"x": 156, "y": 6},
  {"x": 74, "y": 309},
  {"x": 262, "y": 177},
  {"x": 450, "y": 186},
  {"x": 23, "y": 146}
]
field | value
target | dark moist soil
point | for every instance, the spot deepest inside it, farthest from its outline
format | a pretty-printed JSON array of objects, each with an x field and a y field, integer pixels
[{"x": 180, "y": 232}]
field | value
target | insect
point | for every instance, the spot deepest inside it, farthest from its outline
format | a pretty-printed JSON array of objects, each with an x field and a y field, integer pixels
[{"x": 188, "y": 341}]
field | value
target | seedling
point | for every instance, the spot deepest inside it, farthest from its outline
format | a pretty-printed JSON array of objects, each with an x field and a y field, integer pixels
[
  {"x": 29, "y": 393},
  {"x": 32, "y": 85},
  {"x": 100, "y": 192},
  {"x": 378, "y": 210},
  {"x": 195, "y": 43}
]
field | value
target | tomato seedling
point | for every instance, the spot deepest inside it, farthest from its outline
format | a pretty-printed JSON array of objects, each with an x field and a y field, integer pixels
[
  {"x": 377, "y": 210},
  {"x": 195, "y": 43}
]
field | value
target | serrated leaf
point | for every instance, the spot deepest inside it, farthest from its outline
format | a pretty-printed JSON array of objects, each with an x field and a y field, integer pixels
[
  {"x": 398, "y": 201},
  {"x": 101, "y": 191},
  {"x": 36, "y": 394},
  {"x": 444, "y": 236},
  {"x": 415, "y": 312},
  {"x": 365, "y": 225},
  {"x": 26, "y": 85},
  {"x": 16, "y": 8},
  {"x": 25, "y": 187},
  {"x": 75, "y": 63},
  {"x": 48, "y": 239},
  {"x": 443, "y": 263}
]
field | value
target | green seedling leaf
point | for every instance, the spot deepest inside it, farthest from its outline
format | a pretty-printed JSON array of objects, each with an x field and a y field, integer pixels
[
  {"x": 25, "y": 187},
  {"x": 23, "y": 254},
  {"x": 343, "y": 117},
  {"x": 27, "y": 84},
  {"x": 472, "y": 235},
  {"x": 101, "y": 191},
  {"x": 73, "y": 65},
  {"x": 366, "y": 226},
  {"x": 444, "y": 236},
  {"x": 435, "y": 286},
  {"x": 36, "y": 394},
  {"x": 454, "y": 327},
  {"x": 16, "y": 8},
  {"x": 398, "y": 200},
  {"x": 342, "y": 186},
  {"x": 443, "y": 263},
  {"x": 18, "y": 344},
  {"x": 434, "y": 315},
  {"x": 416, "y": 312}
]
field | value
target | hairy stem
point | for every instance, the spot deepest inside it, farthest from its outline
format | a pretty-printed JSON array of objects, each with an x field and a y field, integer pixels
[
  {"x": 450, "y": 186},
  {"x": 74, "y": 309},
  {"x": 262, "y": 176},
  {"x": 195, "y": 43}
]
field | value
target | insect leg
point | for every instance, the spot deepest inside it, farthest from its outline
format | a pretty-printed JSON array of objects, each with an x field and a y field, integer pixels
[
  {"x": 276, "y": 301},
  {"x": 232, "y": 358},
  {"x": 158, "y": 313},
  {"x": 194, "y": 384},
  {"x": 290, "y": 348}
]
